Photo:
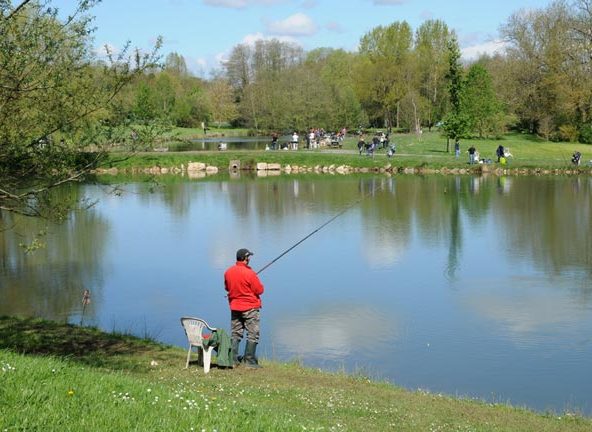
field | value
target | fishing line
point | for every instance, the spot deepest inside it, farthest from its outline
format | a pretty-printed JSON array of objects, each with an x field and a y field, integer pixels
[{"x": 359, "y": 200}]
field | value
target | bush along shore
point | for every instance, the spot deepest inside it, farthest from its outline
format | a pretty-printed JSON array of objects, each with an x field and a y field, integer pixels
[
  {"x": 196, "y": 166},
  {"x": 56, "y": 376}
]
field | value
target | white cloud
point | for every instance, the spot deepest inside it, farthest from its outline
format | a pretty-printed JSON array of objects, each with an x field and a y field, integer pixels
[
  {"x": 103, "y": 50},
  {"x": 240, "y": 4},
  {"x": 198, "y": 66},
  {"x": 221, "y": 57},
  {"x": 250, "y": 39},
  {"x": 526, "y": 311},
  {"x": 233, "y": 4},
  {"x": 473, "y": 38},
  {"x": 388, "y": 2},
  {"x": 296, "y": 25},
  {"x": 490, "y": 48},
  {"x": 309, "y": 4},
  {"x": 335, "y": 335},
  {"x": 426, "y": 15},
  {"x": 201, "y": 62},
  {"x": 335, "y": 27}
]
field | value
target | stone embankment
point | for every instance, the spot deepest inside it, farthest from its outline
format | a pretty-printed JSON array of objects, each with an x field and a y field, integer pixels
[{"x": 264, "y": 169}]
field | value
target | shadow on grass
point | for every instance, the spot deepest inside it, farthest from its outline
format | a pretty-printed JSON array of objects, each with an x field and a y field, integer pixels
[{"x": 87, "y": 345}]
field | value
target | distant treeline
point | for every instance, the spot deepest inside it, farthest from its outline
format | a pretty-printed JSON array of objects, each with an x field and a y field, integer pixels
[{"x": 540, "y": 81}]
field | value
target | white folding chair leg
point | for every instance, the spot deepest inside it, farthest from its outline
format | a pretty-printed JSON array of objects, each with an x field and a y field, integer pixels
[
  {"x": 207, "y": 358},
  {"x": 188, "y": 355}
]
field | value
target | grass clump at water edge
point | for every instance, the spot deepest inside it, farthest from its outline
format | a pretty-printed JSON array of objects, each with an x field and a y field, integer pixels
[{"x": 62, "y": 377}]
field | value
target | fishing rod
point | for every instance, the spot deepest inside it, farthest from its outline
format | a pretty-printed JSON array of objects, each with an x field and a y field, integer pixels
[{"x": 318, "y": 229}]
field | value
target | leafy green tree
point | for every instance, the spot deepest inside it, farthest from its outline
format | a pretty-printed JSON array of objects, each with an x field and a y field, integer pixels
[
  {"x": 431, "y": 50},
  {"x": 480, "y": 102},
  {"x": 456, "y": 122},
  {"x": 386, "y": 53},
  {"x": 336, "y": 73},
  {"x": 175, "y": 64},
  {"x": 256, "y": 74},
  {"x": 221, "y": 99},
  {"x": 55, "y": 100},
  {"x": 550, "y": 64},
  {"x": 145, "y": 103}
]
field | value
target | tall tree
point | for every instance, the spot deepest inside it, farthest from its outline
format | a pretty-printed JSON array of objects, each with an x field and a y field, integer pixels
[
  {"x": 336, "y": 73},
  {"x": 175, "y": 64},
  {"x": 582, "y": 36},
  {"x": 431, "y": 49},
  {"x": 386, "y": 52},
  {"x": 455, "y": 123},
  {"x": 480, "y": 102},
  {"x": 544, "y": 60},
  {"x": 51, "y": 88},
  {"x": 222, "y": 105},
  {"x": 255, "y": 73}
]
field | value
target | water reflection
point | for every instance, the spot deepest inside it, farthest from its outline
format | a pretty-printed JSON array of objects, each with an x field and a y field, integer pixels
[
  {"x": 470, "y": 285},
  {"x": 227, "y": 143},
  {"x": 49, "y": 282},
  {"x": 518, "y": 306},
  {"x": 554, "y": 231},
  {"x": 332, "y": 332}
]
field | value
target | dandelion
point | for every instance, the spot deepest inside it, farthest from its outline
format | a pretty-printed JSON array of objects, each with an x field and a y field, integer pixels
[
  {"x": 70, "y": 392},
  {"x": 6, "y": 367}
]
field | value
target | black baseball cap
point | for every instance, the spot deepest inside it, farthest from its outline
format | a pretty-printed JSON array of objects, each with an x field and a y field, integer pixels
[{"x": 241, "y": 254}]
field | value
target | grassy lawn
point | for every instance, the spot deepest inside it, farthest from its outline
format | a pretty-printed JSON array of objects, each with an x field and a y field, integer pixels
[
  {"x": 429, "y": 151},
  {"x": 62, "y": 377},
  {"x": 527, "y": 150}
]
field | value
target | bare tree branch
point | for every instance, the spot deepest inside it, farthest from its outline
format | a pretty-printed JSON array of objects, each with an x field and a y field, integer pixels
[{"x": 17, "y": 9}]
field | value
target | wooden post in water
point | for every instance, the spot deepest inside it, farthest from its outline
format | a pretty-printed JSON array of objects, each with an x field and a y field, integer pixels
[{"x": 85, "y": 302}]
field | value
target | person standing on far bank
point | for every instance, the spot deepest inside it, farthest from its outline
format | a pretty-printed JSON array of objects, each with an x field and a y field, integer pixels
[{"x": 244, "y": 297}]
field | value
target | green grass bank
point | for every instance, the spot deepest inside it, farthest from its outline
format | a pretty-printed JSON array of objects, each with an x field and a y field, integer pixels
[
  {"x": 59, "y": 377},
  {"x": 426, "y": 154}
]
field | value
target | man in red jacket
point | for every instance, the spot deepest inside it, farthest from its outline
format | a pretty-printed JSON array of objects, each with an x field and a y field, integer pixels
[{"x": 244, "y": 290}]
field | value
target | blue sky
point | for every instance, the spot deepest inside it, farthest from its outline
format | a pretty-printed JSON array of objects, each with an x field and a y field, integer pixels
[{"x": 204, "y": 31}]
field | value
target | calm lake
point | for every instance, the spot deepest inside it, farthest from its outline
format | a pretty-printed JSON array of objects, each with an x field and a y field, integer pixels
[
  {"x": 478, "y": 287},
  {"x": 232, "y": 143}
]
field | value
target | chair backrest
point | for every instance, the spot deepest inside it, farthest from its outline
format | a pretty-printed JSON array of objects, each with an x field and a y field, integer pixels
[{"x": 194, "y": 329}]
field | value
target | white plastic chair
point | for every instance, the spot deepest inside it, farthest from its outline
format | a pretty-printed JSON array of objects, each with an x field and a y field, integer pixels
[{"x": 194, "y": 331}]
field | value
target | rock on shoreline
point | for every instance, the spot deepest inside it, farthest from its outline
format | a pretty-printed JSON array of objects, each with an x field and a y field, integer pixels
[{"x": 265, "y": 169}]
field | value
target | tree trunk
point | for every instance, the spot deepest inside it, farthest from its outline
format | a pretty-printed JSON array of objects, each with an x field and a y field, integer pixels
[
  {"x": 417, "y": 123},
  {"x": 253, "y": 113}
]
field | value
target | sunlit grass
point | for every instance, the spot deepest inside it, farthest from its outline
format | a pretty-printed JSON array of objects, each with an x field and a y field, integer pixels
[
  {"x": 45, "y": 388},
  {"x": 427, "y": 151}
]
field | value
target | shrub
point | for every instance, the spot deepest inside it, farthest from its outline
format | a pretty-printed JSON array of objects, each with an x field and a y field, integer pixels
[
  {"x": 586, "y": 133},
  {"x": 568, "y": 133}
]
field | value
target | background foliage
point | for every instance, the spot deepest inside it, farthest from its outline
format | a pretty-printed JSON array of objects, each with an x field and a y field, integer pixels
[{"x": 63, "y": 108}]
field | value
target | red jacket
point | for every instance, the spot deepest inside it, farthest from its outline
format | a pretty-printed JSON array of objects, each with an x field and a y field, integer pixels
[{"x": 243, "y": 286}]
